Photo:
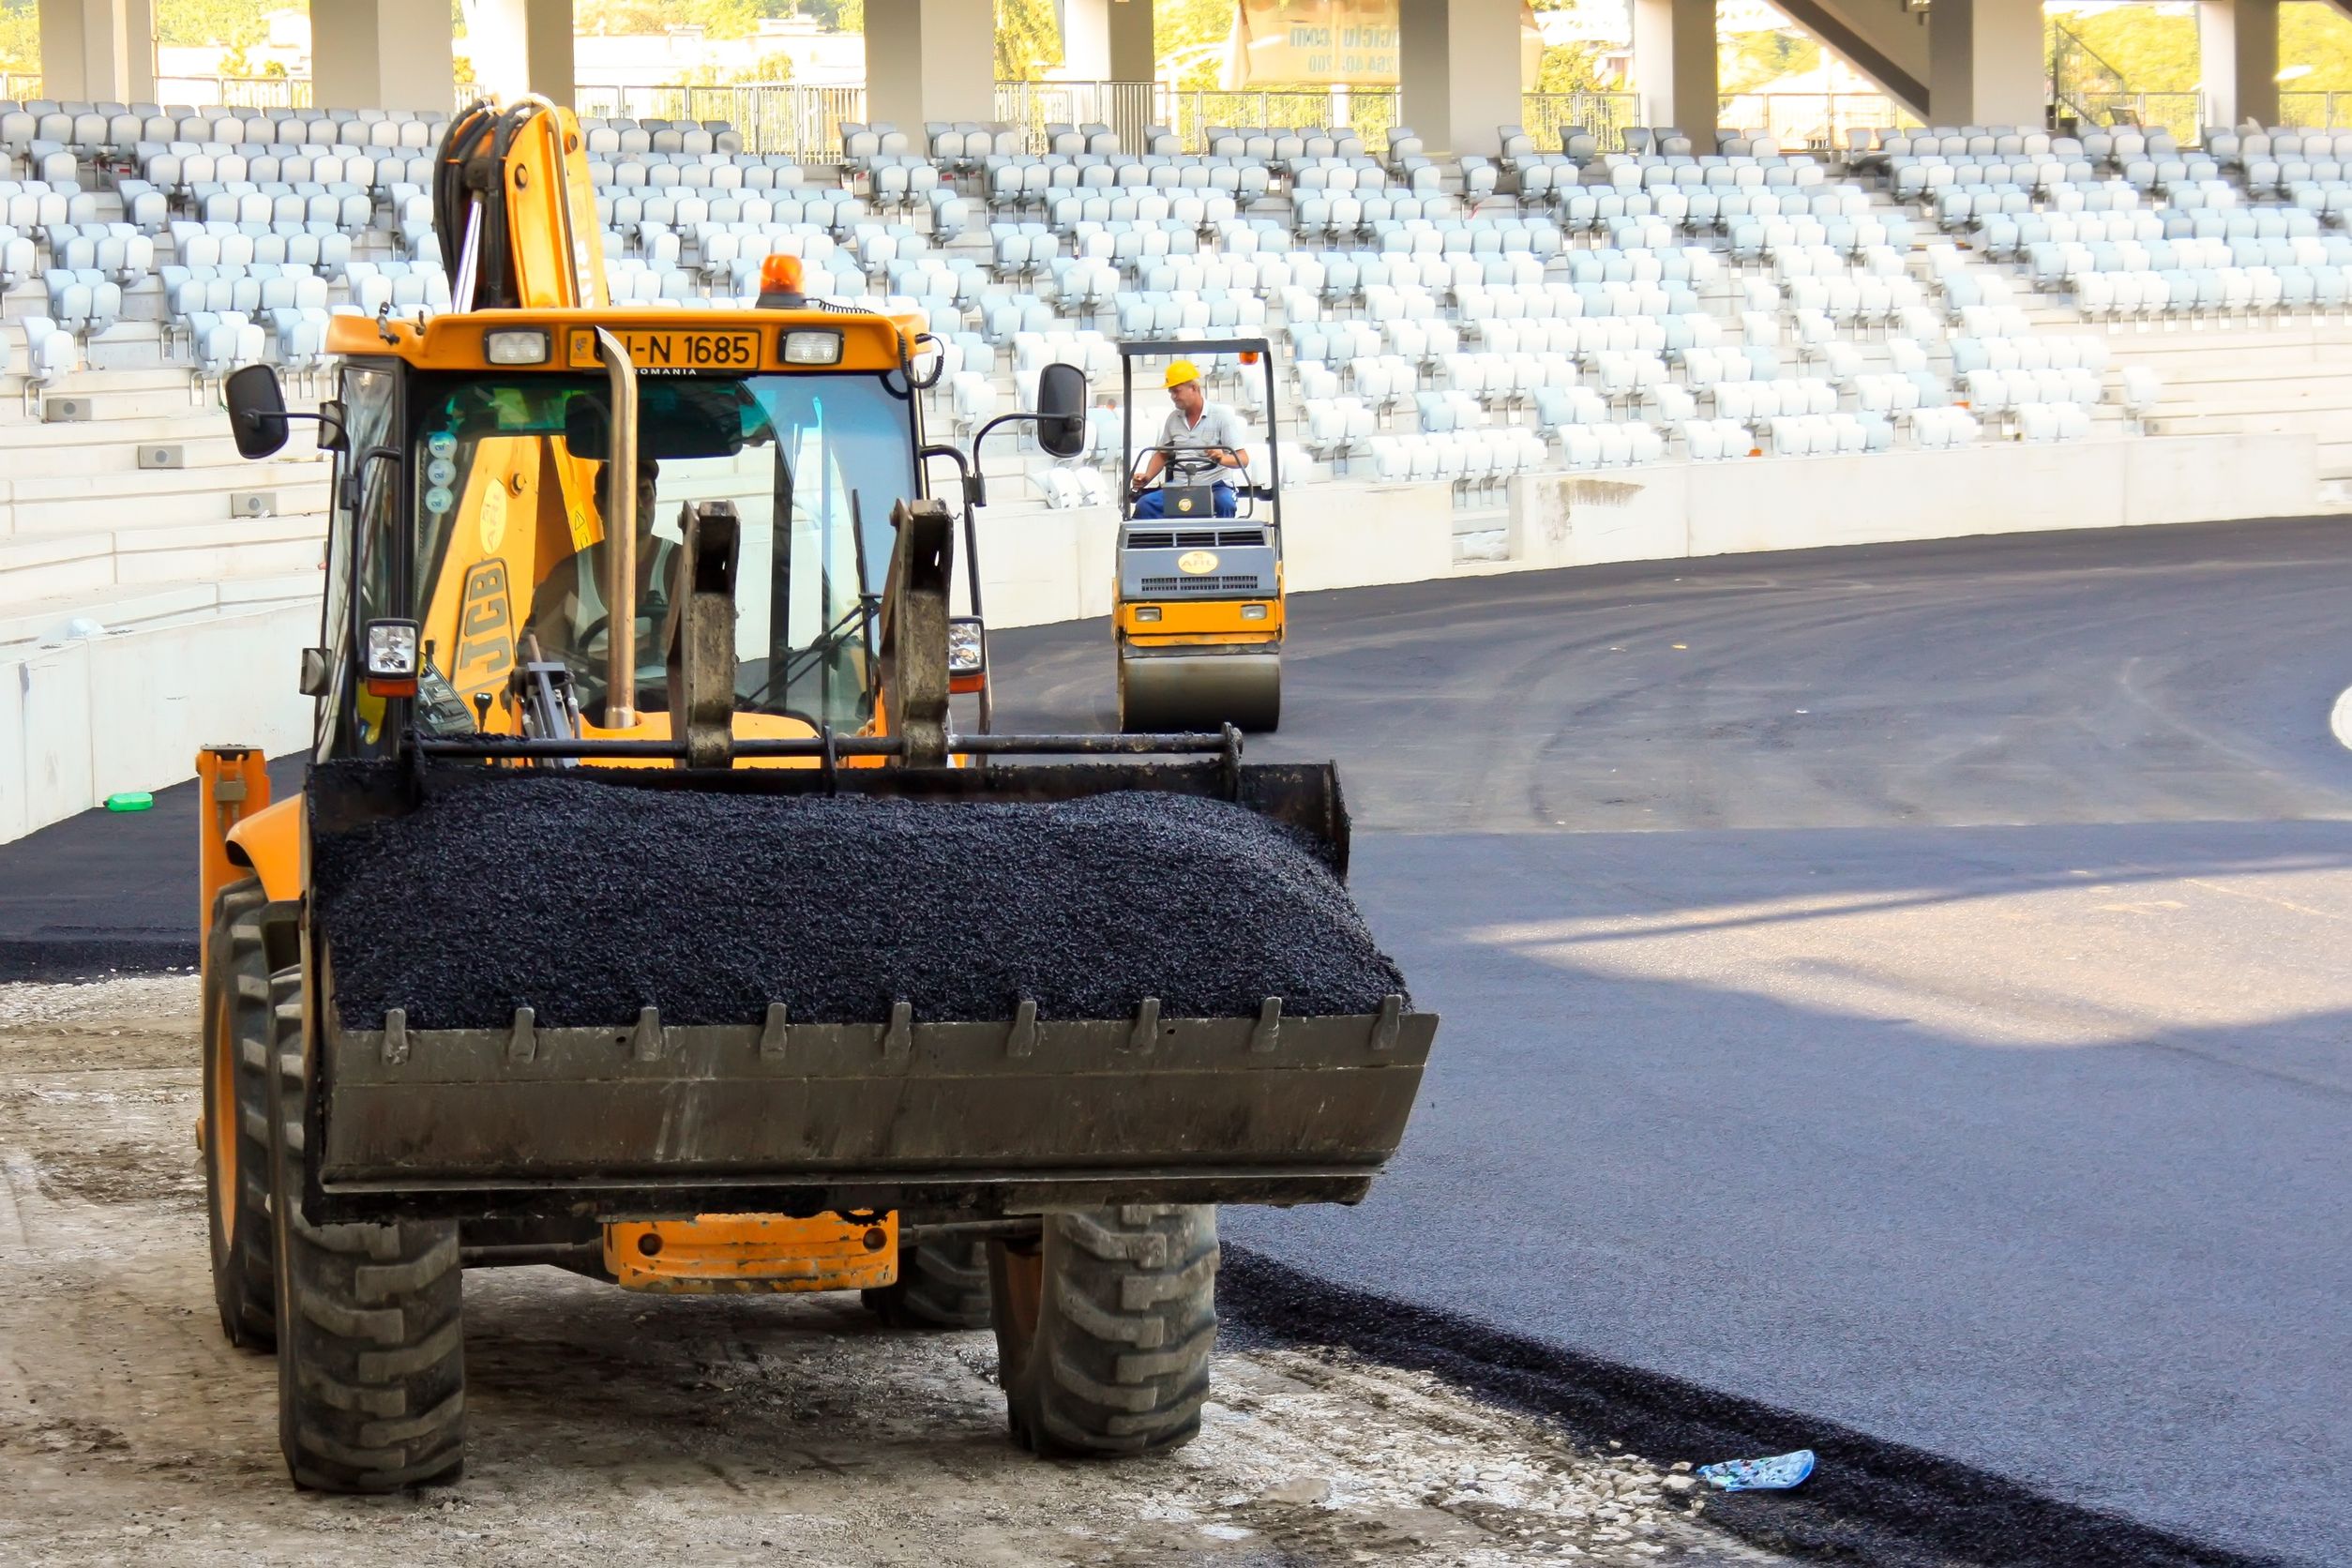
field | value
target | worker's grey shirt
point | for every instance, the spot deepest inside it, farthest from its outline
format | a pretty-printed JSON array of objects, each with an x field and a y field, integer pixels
[{"x": 1219, "y": 427}]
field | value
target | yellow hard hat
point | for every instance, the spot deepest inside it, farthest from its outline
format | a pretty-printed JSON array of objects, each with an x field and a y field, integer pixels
[{"x": 1180, "y": 371}]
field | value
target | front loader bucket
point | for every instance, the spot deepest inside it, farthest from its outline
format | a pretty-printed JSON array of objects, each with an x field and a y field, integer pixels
[{"x": 995, "y": 990}]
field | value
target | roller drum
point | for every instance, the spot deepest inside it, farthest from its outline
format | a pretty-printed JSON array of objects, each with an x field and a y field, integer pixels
[{"x": 1200, "y": 691}]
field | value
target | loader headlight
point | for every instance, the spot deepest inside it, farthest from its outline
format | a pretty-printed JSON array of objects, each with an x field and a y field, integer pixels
[
  {"x": 1147, "y": 613},
  {"x": 966, "y": 647},
  {"x": 513, "y": 346},
  {"x": 1253, "y": 612},
  {"x": 388, "y": 658},
  {"x": 812, "y": 345}
]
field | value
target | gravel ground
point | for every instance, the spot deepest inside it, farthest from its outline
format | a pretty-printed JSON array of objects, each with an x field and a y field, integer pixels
[
  {"x": 711, "y": 906},
  {"x": 712, "y": 1430}
]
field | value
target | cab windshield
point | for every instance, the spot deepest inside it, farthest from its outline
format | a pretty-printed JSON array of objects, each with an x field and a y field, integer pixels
[{"x": 511, "y": 490}]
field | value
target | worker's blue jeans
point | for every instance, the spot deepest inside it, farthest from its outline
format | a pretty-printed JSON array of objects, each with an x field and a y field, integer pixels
[{"x": 1152, "y": 504}]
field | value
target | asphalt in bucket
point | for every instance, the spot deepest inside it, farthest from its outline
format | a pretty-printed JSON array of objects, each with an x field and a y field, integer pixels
[{"x": 588, "y": 901}]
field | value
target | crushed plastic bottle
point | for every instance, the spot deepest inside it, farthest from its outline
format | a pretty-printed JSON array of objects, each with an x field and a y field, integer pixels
[{"x": 1776, "y": 1474}]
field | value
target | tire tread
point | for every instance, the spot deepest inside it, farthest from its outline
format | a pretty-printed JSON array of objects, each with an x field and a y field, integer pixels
[
  {"x": 371, "y": 1358},
  {"x": 1126, "y": 1325}
]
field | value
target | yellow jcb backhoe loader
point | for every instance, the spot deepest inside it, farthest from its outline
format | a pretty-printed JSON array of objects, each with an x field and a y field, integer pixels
[{"x": 656, "y": 582}]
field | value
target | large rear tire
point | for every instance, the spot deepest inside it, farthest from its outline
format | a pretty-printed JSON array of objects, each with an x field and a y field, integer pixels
[
  {"x": 370, "y": 1332},
  {"x": 941, "y": 1285},
  {"x": 1104, "y": 1329},
  {"x": 238, "y": 1025}
]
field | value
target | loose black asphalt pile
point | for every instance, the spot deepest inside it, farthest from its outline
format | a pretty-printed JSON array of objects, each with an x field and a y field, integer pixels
[{"x": 587, "y": 901}]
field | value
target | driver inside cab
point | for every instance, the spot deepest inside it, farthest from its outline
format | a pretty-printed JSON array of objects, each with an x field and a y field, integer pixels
[{"x": 1194, "y": 426}]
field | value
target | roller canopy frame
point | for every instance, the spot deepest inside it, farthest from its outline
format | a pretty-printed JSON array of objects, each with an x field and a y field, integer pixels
[{"x": 1178, "y": 348}]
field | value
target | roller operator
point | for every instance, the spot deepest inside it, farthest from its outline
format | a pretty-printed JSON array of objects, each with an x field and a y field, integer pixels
[{"x": 1194, "y": 425}]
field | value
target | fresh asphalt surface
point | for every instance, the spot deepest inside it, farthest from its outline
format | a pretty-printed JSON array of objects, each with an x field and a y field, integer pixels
[
  {"x": 1905, "y": 986},
  {"x": 1899, "y": 993}
]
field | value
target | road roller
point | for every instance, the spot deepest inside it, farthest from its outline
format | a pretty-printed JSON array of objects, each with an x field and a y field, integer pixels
[{"x": 1197, "y": 615}]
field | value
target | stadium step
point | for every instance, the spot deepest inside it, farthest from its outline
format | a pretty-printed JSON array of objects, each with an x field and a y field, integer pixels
[
  {"x": 138, "y": 608},
  {"x": 39, "y": 566},
  {"x": 144, "y": 484}
]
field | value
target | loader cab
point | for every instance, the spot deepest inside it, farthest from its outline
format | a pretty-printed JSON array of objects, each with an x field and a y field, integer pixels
[{"x": 474, "y": 471}]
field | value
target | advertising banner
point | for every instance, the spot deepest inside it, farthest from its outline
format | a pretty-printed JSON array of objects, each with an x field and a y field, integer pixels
[{"x": 1348, "y": 43}]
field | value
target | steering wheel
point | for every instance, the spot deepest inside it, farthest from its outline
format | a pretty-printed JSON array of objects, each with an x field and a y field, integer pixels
[{"x": 1182, "y": 463}]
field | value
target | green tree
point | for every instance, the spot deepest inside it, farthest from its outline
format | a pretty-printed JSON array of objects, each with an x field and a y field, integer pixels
[
  {"x": 718, "y": 18},
  {"x": 1746, "y": 61},
  {"x": 1028, "y": 39},
  {"x": 1567, "y": 67},
  {"x": 2157, "y": 53},
  {"x": 20, "y": 35},
  {"x": 2319, "y": 37},
  {"x": 210, "y": 23},
  {"x": 1189, "y": 35}
]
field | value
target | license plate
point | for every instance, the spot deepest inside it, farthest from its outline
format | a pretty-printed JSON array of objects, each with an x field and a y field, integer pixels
[{"x": 660, "y": 349}]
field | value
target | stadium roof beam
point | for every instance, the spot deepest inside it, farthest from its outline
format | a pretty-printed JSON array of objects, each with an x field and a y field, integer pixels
[
  {"x": 98, "y": 50},
  {"x": 381, "y": 55},
  {"x": 1886, "y": 42},
  {"x": 929, "y": 60}
]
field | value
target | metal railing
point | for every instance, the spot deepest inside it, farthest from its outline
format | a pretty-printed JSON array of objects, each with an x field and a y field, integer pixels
[
  {"x": 1130, "y": 109},
  {"x": 1369, "y": 112},
  {"x": 1820, "y": 120},
  {"x": 2182, "y": 113},
  {"x": 789, "y": 119},
  {"x": 19, "y": 86},
  {"x": 234, "y": 92},
  {"x": 2317, "y": 110},
  {"x": 1606, "y": 115}
]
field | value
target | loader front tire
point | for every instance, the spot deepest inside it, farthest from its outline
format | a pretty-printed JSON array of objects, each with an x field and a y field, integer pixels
[
  {"x": 370, "y": 1330},
  {"x": 1104, "y": 1329},
  {"x": 941, "y": 1285},
  {"x": 238, "y": 1025}
]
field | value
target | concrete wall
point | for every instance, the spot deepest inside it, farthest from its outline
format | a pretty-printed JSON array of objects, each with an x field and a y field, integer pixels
[
  {"x": 1996, "y": 488},
  {"x": 83, "y": 720},
  {"x": 97, "y": 49},
  {"x": 1459, "y": 71},
  {"x": 929, "y": 60}
]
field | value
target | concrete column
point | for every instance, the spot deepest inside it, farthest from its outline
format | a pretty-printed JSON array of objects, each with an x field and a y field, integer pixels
[
  {"x": 1985, "y": 65},
  {"x": 930, "y": 60},
  {"x": 1460, "y": 66},
  {"x": 1674, "y": 67},
  {"x": 522, "y": 46},
  {"x": 382, "y": 55},
  {"x": 1108, "y": 41},
  {"x": 98, "y": 50},
  {"x": 2238, "y": 44}
]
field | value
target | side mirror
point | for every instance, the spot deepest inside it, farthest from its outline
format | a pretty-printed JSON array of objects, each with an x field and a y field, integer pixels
[
  {"x": 257, "y": 411},
  {"x": 1060, "y": 410}
]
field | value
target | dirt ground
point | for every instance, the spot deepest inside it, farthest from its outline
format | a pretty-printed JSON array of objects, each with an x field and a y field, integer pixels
[{"x": 707, "y": 1429}]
